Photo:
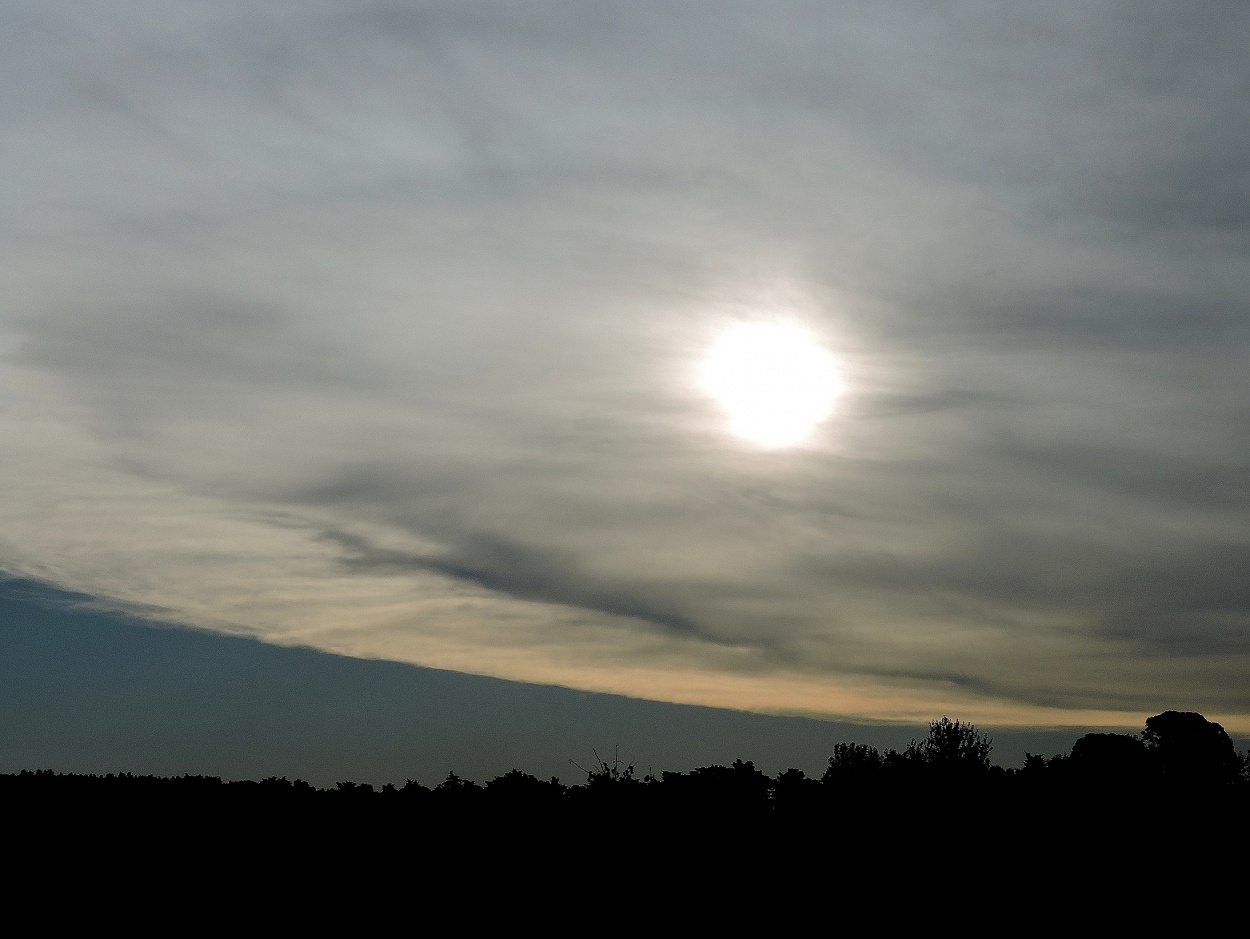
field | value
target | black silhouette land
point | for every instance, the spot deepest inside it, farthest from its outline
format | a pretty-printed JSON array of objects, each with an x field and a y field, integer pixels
[
  {"x": 1180, "y": 777},
  {"x": 1133, "y": 827}
]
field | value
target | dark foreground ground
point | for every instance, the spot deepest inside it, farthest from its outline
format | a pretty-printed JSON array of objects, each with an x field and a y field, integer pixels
[{"x": 1174, "y": 793}]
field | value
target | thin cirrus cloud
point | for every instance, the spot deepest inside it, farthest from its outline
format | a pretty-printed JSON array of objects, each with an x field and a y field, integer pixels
[{"x": 379, "y": 330}]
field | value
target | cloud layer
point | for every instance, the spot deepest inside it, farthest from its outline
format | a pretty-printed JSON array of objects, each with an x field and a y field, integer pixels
[{"x": 378, "y": 331}]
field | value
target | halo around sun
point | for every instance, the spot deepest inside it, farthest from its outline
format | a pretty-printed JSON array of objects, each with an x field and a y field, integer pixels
[{"x": 774, "y": 381}]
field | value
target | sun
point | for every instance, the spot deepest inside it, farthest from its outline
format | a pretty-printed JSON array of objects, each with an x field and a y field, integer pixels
[{"x": 773, "y": 379}]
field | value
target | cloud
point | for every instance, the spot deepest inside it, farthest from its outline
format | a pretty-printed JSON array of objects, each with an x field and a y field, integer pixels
[
  {"x": 377, "y": 330},
  {"x": 516, "y": 571}
]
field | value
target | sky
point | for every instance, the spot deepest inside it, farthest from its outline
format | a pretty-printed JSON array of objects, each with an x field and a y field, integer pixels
[
  {"x": 87, "y": 691},
  {"x": 379, "y": 329}
]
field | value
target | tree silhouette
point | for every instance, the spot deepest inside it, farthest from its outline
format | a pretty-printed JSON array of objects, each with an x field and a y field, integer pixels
[
  {"x": 1190, "y": 750},
  {"x": 456, "y": 793},
  {"x": 518, "y": 790},
  {"x": 853, "y": 765},
  {"x": 1110, "y": 759},
  {"x": 613, "y": 775},
  {"x": 1179, "y": 782},
  {"x": 953, "y": 749},
  {"x": 793, "y": 792}
]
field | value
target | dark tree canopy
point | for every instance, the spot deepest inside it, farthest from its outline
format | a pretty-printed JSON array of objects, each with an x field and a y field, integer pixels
[
  {"x": 1110, "y": 752},
  {"x": 953, "y": 747},
  {"x": 853, "y": 764},
  {"x": 1188, "y": 749},
  {"x": 1107, "y": 784}
]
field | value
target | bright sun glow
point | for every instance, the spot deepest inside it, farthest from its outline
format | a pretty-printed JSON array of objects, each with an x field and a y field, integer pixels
[{"x": 774, "y": 380}]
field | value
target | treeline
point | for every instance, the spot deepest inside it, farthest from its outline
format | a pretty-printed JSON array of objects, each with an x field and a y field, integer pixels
[{"x": 1178, "y": 753}]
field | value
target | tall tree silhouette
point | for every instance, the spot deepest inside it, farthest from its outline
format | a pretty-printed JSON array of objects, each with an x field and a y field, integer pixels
[
  {"x": 1190, "y": 750},
  {"x": 953, "y": 749}
]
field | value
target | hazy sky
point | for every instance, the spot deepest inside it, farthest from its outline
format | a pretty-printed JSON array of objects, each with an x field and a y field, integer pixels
[{"x": 377, "y": 328}]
